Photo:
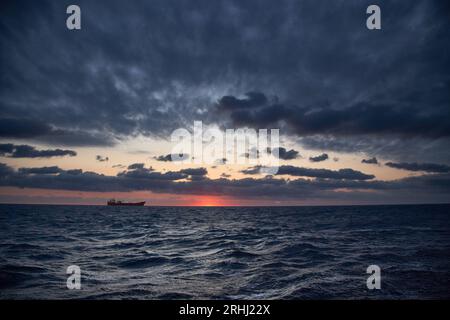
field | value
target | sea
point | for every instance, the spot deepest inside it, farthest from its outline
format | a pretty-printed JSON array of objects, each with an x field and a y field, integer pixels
[{"x": 225, "y": 252}]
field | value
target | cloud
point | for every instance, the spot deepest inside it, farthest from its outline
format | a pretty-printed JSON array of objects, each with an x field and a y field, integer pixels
[
  {"x": 48, "y": 170},
  {"x": 89, "y": 138},
  {"x": 341, "y": 174},
  {"x": 220, "y": 161},
  {"x": 347, "y": 174},
  {"x": 26, "y": 151},
  {"x": 22, "y": 128},
  {"x": 370, "y": 161},
  {"x": 6, "y": 148},
  {"x": 195, "y": 171},
  {"x": 41, "y": 170},
  {"x": 5, "y": 170},
  {"x": 101, "y": 158},
  {"x": 358, "y": 119},
  {"x": 136, "y": 166},
  {"x": 139, "y": 173},
  {"x": 146, "y": 82},
  {"x": 35, "y": 130},
  {"x": 426, "y": 167},
  {"x": 286, "y": 155},
  {"x": 435, "y": 187},
  {"x": 252, "y": 170},
  {"x": 396, "y": 148},
  {"x": 73, "y": 171},
  {"x": 319, "y": 158},
  {"x": 173, "y": 157},
  {"x": 282, "y": 153}
]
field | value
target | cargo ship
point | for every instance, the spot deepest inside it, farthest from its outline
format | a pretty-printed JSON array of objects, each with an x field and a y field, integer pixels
[{"x": 113, "y": 202}]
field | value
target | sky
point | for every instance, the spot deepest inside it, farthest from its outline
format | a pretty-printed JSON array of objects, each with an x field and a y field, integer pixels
[{"x": 87, "y": 115}]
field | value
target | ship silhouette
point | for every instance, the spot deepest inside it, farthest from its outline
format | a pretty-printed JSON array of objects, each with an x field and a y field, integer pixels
[{"x": 114, "y": 202}]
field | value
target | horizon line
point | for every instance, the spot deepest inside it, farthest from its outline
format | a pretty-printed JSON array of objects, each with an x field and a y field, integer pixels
[{"x": 232, "y": 206}]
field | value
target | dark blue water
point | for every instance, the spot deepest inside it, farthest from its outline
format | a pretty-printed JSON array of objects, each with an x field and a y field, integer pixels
[{"x": 224, "y": 253}]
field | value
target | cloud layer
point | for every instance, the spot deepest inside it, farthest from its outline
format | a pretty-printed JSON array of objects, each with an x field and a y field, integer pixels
[
  {"x": 25, "y": 151},
  {"x": 432, "y": 187},
  {"x": 151, "y": 67},
  {"x": 341, "y": 174},
  {"x": 426, "y": 167}
]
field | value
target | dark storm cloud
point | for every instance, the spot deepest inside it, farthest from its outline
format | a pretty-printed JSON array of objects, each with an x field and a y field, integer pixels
[
  {"x": 370, "y": 161},
  {"x": 347, "y": 174},
  {"x": 342, "y": 174},
  {"x": 171, "y": 157},
  {"x": 141, "y": 173},
  {"x": 195, "y": 171},
  {"x": 151, "y": 66},
  {"x": 286, "y": 154},
  {"x": 252, "y": 170},
  {"x": 165, "y": 158},
  {"x": 41, "y": 170},
  {"x": 49, "y": 170},
  {"x": 25, "y": 151},
  {"x": 138, "y": 172},
  {"x": 434, "y": 187},
  {"x": 77, "y": 138},
  {"x": 74, "y": 171},
  {"x": 5, "y": 170},
  {"x": 319, "y": 158},
  {"x": 280, "y": 152},
  {"x": 22, "y": 128},
  {"x": 101, "y": 158},
  {"x": 426, "y": 167},
  {"x": 136, "y": 166},
  {"x": 411, "y": 149},
  {"x": 6, "y": 148},
  {"x": 358, "y": 119}
]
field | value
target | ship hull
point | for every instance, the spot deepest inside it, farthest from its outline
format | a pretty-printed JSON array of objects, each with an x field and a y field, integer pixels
[{"x": 127, "y": 204}]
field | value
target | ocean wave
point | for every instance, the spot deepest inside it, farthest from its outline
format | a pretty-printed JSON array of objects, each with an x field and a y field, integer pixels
[{"x": 225, "y": 253}]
